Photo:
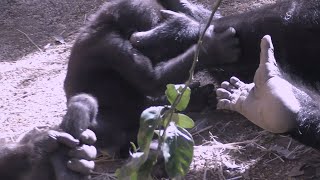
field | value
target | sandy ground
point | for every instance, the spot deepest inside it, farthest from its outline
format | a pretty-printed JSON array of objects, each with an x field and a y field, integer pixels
[{"x": 33, "y": 67}]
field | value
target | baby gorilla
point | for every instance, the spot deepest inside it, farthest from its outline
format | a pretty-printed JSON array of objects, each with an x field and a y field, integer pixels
[
  {"x": 105, "y": 64},
  {"x": 274, "y": 101},
  {"x": 45, "y": 154}
]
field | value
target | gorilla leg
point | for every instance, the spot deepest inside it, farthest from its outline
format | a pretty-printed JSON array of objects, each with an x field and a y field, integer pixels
[
  {"x": 273, "y": 102},
  {"x": 269, "y": 93}
]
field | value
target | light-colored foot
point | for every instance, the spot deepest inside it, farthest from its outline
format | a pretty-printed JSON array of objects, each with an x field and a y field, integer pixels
[{"x": 269, "y": 101}]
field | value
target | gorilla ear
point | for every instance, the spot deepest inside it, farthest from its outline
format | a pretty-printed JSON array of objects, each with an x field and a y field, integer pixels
[{"x": 167, "y": 14}]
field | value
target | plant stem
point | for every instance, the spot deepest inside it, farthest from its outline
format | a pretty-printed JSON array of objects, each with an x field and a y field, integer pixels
[
  {"x": 191, "y": 71},
  {"x": 196, "y": 54}
]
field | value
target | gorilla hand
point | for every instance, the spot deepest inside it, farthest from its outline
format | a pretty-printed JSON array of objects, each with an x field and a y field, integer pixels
[
  {"x": 219, "y": 48},
  {"x": 79, "y": 154},
  {"x": 83, "y": 155}
]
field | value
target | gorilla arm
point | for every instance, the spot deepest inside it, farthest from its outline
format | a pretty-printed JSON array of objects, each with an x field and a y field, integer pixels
[{"x": 150, "y": 77}]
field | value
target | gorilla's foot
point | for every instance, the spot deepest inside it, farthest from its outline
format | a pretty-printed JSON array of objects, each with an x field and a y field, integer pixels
[{"x": 269, "y": 101}]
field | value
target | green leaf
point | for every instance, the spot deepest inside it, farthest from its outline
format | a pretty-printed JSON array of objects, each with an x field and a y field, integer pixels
[
  {"x": 184, "y": 121},
  {"x": 172, "y": 93},
  {"x": 177, "y": 150},
  {"x": 149, "y": 121},
  {"x": 180, "y": 119},
  {"x": 140, "y": 165},
  {"x": 174, "y": 118}
]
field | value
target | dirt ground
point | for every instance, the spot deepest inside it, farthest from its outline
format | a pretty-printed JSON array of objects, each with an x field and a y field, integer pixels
[{"x": 36, "y": 36}]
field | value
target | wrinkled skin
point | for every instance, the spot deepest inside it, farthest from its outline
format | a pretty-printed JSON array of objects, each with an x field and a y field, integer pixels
[{"x": 274, "y": 101}]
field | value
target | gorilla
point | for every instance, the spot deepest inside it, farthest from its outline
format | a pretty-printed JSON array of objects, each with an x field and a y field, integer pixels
[
  {"x": 289, "y": 22},
  {"x": 61, "y": 153},
  {"x": 284, "y": 96},
  {"x": 130, "y": 50},
  {"x": 105, "y": 64},
  {"x": 274, "y": 101}
]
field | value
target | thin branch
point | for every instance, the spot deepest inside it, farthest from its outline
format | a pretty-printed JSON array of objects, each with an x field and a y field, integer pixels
[
  {"x": 30, "y": 40},
  {"x": 191, "y": 71},
  {"x": 196, "y": 55},
  {"x": 202, "y": 130}
]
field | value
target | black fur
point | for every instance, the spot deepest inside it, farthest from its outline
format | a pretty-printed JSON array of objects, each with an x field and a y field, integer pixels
[
  {"x": 128, "y": 52},
  {"x": 104, "y": 63},
  {"x": 294, "y": 26},
  {"x": 35, "y": 155}
]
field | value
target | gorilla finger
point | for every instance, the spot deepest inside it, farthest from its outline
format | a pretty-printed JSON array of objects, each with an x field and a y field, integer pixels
[
  {"x": 88, "y": 137},
  {"x": 236, "y": 82},
  {"x": 138, "y": 38},
  {"x": 67, "y": 140},
  {"x": 222, "y": 93},
  {"x": 83, "y": 152},
  {"x": 81, "y": 166},
  {"x": 226, "y": 85},
  {"x": 48, "y": 143},
  {"x": 224, "y": 104},
  {"x": 230, "y": 32},
  {"x": 64, "y": 138}
]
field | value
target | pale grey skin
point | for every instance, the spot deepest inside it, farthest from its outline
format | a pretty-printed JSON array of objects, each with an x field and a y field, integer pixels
[{"x": 270, "y": 101}]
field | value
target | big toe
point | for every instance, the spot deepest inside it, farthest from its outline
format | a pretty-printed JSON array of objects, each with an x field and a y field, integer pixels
[{"x": 267, "y": 51}]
